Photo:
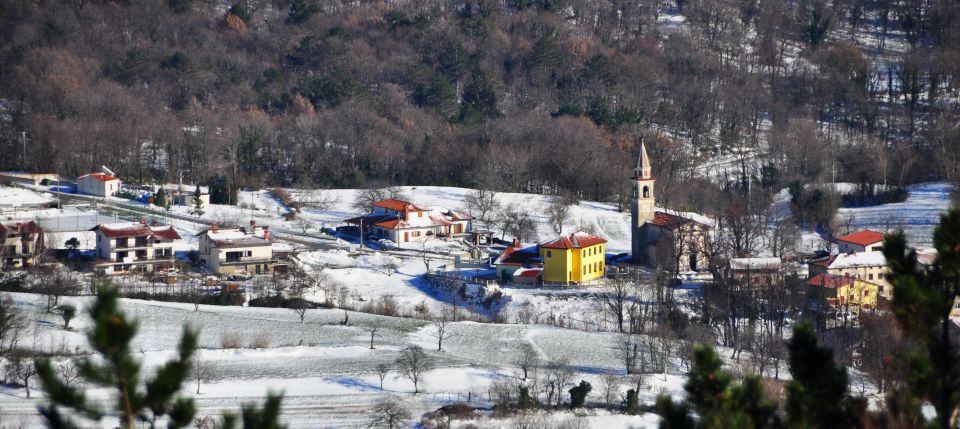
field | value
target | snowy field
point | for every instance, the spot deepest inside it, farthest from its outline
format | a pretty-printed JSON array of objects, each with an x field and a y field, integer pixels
[
  {"x": 329, "y": 380},
  {"x": 917, "y": 216},
  {"x": 11, "y": 197}
]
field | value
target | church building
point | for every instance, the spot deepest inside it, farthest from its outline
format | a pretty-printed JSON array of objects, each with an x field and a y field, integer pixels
[{"x": 670, "y": 240}]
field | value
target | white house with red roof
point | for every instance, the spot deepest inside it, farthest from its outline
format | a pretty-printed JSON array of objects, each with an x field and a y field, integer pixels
[
  {"x": 21, "y": 242},
  {"x": 130, "y": 247},
  {"x": 103, "y": 183},
  {"x": 862, "y": 241},
  {"x": 404, "y": 222},
  {"x": 237, "y": 250}
]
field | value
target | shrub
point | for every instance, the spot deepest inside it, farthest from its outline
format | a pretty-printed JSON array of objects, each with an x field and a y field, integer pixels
[
  {"x": 260, "y": 340},
  {"x": 578, "y": 394},
  {"x": 231, "y": 340}
]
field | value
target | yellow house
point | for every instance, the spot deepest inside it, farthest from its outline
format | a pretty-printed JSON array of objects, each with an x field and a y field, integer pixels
[
  {"x": 575, "y": 258},
  {"x": 846, "y": 291}
]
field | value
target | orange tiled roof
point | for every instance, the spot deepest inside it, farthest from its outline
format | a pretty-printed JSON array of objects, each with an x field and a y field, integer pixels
[
  {"x": 576, "y": 240},
  {"x": 863, "y": 238}
]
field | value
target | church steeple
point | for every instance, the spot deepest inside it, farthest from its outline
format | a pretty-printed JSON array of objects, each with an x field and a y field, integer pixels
[
  {"x": 642, "y": 204},
  {"x": 643, "y": 169}
]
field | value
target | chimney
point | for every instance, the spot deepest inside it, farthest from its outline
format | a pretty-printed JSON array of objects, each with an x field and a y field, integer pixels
[
  {"x": 214, "y": 228},
  {"x": 253, "y": 225},
  {"x": 266, "y": 233},
  {"x": 143, "y": 220}
]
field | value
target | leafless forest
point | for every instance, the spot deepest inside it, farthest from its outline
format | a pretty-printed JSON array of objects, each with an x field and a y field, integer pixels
[{"x": 512, "y": 95}]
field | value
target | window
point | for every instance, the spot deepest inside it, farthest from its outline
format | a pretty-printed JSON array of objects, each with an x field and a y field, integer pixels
[
  {"x": 549, "y": 254},
  {"x": 646, "y": 192}
]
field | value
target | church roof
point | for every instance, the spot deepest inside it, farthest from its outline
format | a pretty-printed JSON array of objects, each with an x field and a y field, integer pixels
[{"x": 643, "y": 170}]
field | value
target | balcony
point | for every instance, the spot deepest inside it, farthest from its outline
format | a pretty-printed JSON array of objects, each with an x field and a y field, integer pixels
[{"x": 248, "y": 260}]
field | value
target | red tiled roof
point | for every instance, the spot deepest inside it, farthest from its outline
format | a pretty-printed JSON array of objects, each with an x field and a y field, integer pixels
[
  {"x": 863, "y": 238},
  {"x": 30, "y": 227},
  {"x": 531, "y": 273},
  {"x": 669, "y": 220},
  {"x": 138, "y": 230},
  {"x": 166, "y": 233},
  {"x": 830, "y": 281},
  {"x": 576, "y": 240},
  {"x": 103, "y": 177},
  {"x": 398, "y": 205}
]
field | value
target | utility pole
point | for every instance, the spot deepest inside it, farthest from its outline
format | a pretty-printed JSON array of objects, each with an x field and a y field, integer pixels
[{"x": 23, "y": 145}]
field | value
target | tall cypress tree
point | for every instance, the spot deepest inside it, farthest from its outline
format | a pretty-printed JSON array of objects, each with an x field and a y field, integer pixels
[
  {"x": 154, "y": 401},
  {"x": 922, "y": 299}
]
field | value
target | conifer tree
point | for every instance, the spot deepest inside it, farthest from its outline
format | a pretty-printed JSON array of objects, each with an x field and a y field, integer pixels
[
  {"x": 817, "y": 394},
  {"x": 155, "y": 401},
  {"x": 719, "y": 403},
  {"x": 922, "y": 299},
  {"x": 197, "y": 202}
]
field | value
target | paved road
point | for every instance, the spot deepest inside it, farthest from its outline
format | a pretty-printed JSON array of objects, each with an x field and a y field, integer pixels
[{"x": 284, "y": 234}]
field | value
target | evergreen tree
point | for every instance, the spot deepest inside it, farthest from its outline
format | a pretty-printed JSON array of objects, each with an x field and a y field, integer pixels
[
  {"x": 160, "y": 199},
  {"x": 817, "y": 394},
  {"x": 578, "y": 394},
  {"x": 720, "y": 403},
  {"x": 155, "y": 401},
  {"x": 301, "y": 11},
  {"x": 479, "y": 100},
  {"x": 197, "y": 202},
  {"x": 922, "y": 299}
]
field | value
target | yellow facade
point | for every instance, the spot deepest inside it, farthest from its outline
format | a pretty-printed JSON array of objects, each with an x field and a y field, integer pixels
[
  {"x": 576, "y": 265},
  {"x": 861, "y": 294}
]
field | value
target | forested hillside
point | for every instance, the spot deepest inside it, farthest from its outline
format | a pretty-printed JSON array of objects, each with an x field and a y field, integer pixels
[{"x": 516, "y": 95}]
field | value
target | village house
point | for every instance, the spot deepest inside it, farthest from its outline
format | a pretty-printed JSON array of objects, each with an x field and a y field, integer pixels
[
  {"x": 404, "y": 222},
  {"x": 22, "y": 242},
  {"x": 134, "y": 247},
  {"x": 862, "y": 241},
  {"x": 577, "y": 258},
  {"x": 868, "y": 266},
  {"x": 103, "y": 183},
  {"x": 237, "y": 250},
  {"x": 844, "y": 291},
  {"x": 660, "y": 237},
  {"x": 514, "y": 258},
  {"x": 756, "y": 272}
]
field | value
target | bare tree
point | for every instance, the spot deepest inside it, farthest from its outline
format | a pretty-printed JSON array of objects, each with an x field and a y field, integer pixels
[
  {"x": 365, "y": 198},
  {"x": 558, "y": 212},
  {"x": 412, "y": 364},
  {"x": 390, "y": 265},
  {"x": 373, "y": 328},
  {"x": 441, "y": 329},
  {"x": 389, "y": 414},
  {"x": 316, "y": 199},
  {"x": 559, "y": 374},
  {"x": 619, "y": 299},
  {"x": 20, "y": 367},
  {"x": 12, "y": 323},
  {"x": 200, "y": 370},
  {"x": 516, "y": 222},
  {"x": 383, "y": 370},
  {"x": 303, "y": 224},
  {"x": 481, "y": 204},
  {"x": 629, "y": 352},
  {"x": 610, "y": 386},
  {"x": 527, "y": 358}
]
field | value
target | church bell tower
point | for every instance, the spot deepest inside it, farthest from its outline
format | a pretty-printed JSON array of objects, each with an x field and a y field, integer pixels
[{"x": 641, "y": 202}]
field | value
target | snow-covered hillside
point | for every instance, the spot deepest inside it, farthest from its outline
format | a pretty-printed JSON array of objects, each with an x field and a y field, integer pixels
[
  {"x": 917, "y": 216},
  {"x": 329, "y": 380}
]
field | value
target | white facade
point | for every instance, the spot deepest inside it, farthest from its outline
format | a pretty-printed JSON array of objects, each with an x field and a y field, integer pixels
[
  {"x": 98, "y": 184},
  {"x": 134, "y": 247},
  {"x": 234, "y": 250}
]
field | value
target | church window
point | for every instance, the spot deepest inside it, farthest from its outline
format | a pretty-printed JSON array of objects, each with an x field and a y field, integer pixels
[{"x": 646, "y": 192}]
